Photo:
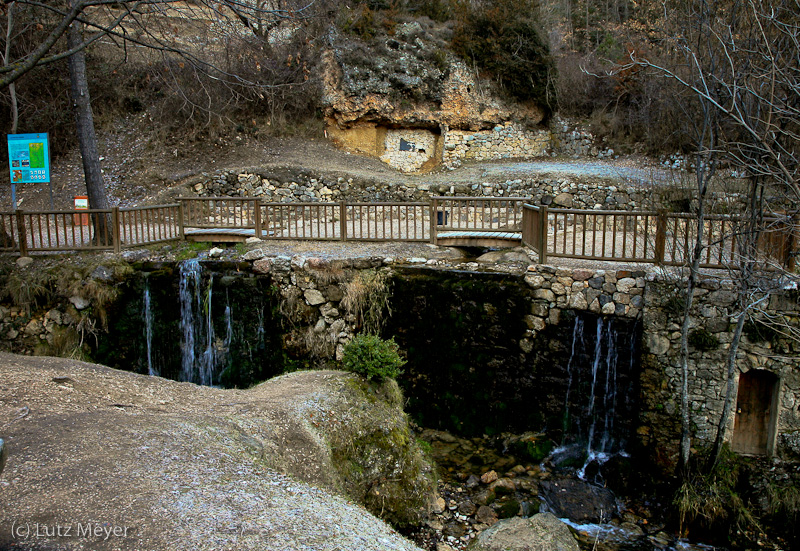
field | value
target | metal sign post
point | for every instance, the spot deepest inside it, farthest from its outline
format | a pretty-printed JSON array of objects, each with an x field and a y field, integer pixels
[{"x": 28, "y": 161}]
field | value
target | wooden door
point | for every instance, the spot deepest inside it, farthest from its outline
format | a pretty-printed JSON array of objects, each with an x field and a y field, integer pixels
[{"x": 753, "y": 412}]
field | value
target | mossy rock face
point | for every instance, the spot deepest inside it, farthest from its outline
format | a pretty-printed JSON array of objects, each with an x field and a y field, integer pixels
[{"x": 379, "y": 460}]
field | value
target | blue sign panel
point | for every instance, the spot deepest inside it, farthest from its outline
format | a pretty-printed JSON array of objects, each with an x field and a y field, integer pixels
[{"x": 29, "y": 158}]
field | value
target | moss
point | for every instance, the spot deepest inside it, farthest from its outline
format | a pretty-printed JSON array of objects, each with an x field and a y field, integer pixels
[
  {"x": 380, "y": 462},
  {"x": 701, "y": 339},
  {"x": 508, "y": 509}
]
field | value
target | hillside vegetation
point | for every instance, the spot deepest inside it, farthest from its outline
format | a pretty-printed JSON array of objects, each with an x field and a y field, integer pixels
[{"x": 222, "y": 73}]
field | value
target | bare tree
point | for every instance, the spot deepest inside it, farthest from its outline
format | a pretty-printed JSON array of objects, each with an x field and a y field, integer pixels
[
  {"x": 741, "y": 61},
  {"x": 65, "y": 28}
]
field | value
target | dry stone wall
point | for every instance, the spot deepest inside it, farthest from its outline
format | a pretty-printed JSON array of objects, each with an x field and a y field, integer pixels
[
  {"x": 712, "y": 323},
  {"x": 409, "y": 150},
  {"x": 562, "y": 192},
  {"x": 504, "y": 141}
]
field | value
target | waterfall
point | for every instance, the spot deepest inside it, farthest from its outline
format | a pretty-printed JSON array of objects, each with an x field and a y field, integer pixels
[
  {"x": 208, "y": 359},
  {"x": 189, "y": 294},
  {"x": 577, "y": 344},
  {"x": 593, "y": 395},
  {"x": 600, "y": 446},
  {"x": 147, "y": 314}
]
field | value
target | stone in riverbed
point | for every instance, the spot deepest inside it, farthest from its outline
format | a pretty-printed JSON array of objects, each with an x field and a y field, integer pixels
[
  {"x": 489, "y": 477},
  {"x": 577, "y": 500},
  {"x": 486, "y": 515},
  {"x": 541, "y": 532}
]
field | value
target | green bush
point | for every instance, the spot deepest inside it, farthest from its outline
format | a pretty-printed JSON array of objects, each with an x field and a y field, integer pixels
[
  {"x": 702, "y": 340},
  {"x": 503, "y": 38},
  {"x": 374, "y": 358}
]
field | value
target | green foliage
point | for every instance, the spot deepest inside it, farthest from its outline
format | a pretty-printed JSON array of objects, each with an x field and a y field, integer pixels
[
  {"x": 359, "y": 22},
  {"x": 503, "y": 38},
  {"x": 190, "y": 249},
  {"x": 702, "y": 340},
  {"x": 710, "y": 498},
  {"x": 756, "y": 331},
  {"x": 373, "y": 357}
]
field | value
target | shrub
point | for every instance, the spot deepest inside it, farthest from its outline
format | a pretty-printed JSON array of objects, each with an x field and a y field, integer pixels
[
  {"x": 504, "y": 40},
  {"x": 702, "y": 340},
  {"x": 373, "y": 357}
]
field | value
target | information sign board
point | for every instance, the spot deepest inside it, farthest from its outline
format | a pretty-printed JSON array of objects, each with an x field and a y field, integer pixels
[{"x": 29, "y": 158}]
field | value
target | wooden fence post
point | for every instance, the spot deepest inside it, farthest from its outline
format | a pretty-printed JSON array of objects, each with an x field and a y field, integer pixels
[
  {"x": 115, "y": 225},
  {"x": 661, "y": 237},
  {"x": 434, "y": 213},
  {"x": 257, "y": 218},
  {"x": 23, "y": 245},
  {"x": 543, "y": 234},
  {"x": 181, "y": 222},
  {"x": 343, "y": 220}
]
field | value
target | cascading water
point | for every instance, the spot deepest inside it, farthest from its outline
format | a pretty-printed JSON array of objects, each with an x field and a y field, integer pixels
[
  {"x": 577, "y": 341},
  {"x": 147, "y": 314},
  {"x": 199, "y": 347},
  {"x": 189, "y": 294},
  {"x": 593, "y": 371}
]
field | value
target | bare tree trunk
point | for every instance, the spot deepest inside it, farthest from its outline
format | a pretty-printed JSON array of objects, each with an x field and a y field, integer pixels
[
  {"x": 87, "y": 139},
  {"x": 12, "y": 88},
  {"x": 747, "y": 252},
  {"x": 706, "y": 165}
]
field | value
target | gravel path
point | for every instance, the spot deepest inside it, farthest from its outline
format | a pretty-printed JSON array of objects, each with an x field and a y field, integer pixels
[{"x": 136, "y": 169}]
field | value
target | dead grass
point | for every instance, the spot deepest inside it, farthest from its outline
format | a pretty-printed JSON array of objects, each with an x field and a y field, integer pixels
[{"x": 367, "y": 298}]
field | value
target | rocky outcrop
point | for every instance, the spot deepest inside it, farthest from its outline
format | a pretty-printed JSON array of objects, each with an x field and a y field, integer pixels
[
  {"x": 178, "y": 466},
  {"x": 396, "y": 97},
  {"x": 542, "y": 532}
]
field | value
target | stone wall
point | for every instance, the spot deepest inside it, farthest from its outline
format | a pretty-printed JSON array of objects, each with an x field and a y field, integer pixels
[
  {"x": 307, "y": 188},
  {"x": 609, "y": 292},
  {"x": 409, "y": 150},
  {"x": 712, "y": 322},
  {"x": 504, "y": 141},
  {"x": 313, "y": 289}
]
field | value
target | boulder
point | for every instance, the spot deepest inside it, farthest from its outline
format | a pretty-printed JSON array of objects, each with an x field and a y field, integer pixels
[
  {"x": 577, "y": 500},
  {"x": 541, "y": 532},
  {"x": 565, "y": 200}
]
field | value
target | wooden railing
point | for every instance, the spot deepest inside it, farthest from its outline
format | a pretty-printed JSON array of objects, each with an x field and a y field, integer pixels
[
  {"x": 478, "y": 213},
  {"x": 146, "y": 225},
  {"x": 649, "y": 236}
]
